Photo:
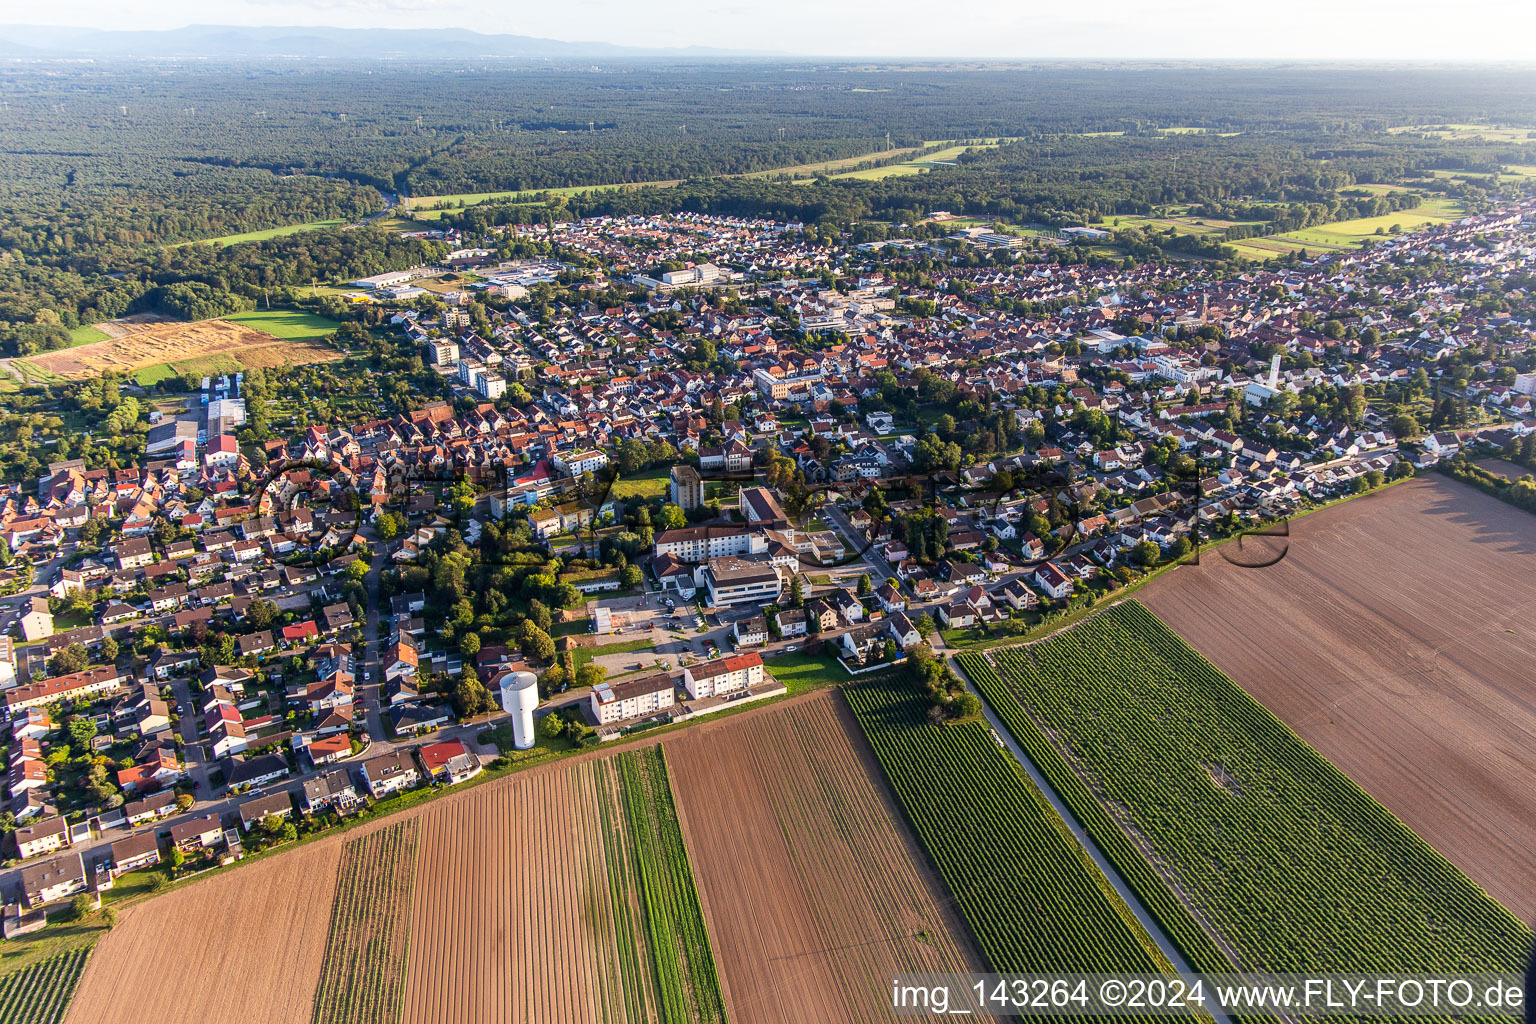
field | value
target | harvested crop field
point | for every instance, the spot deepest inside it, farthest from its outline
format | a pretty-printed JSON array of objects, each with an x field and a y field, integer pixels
[
  {"x": 178, "y": 343},
  {"x": 533, "y": 907},
  {"x": 814, "y": 893},
  {"x": 1396, "y": 638},
  {"x": 245, "y": 948},
  {"x": 570, "y": 892},
  {"x": 122, "y": 327}
]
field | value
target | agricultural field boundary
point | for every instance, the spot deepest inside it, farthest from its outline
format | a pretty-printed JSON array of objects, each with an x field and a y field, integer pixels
[
  {"x": 1473, "y": 933},
  {"x": 682, "y": 958},
  {"x": 1395, "y": 639},
  {"x": 362, "y": 980},
  {"x": 418, "y": 801},
  {"x": 1000, "y": 846},
  {"x": 832, "y": 857},
  {"x": 1100, "y": 834},
  {"x": 250, "y": 339},
  {"x": 40, "y": 994}
]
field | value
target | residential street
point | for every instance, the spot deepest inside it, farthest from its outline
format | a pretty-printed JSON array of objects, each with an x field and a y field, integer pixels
[
  {"x": 99, "y": 848},
  {"x": 11, "y": 607},
  {"x": 879, "y": 568},
  {"x": 368, "y": 672}
]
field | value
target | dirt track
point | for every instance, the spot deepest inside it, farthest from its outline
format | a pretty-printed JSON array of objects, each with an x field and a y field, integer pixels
[
  {"x": 1397, "y": 638},
  {"x": 244, "y": 948},
  {"x": 812, "y": 890}
]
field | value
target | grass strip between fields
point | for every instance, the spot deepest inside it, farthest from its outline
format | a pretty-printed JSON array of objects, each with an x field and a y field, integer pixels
[{"x": 681, "y": 958}]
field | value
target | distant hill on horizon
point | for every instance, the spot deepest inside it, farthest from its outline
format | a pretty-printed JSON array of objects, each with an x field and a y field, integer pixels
[{"x": 234, "y": 42}]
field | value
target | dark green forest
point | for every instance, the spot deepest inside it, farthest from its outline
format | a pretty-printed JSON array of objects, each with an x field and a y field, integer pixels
[
  {"x": 1293, "y": 179},
  {"x": 104, "y": 167}
]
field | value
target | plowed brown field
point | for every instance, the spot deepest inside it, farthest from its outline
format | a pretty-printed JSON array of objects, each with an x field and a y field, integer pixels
[
  {"x": 1504, "y": 468},
  {"x": 813, "y": 893},
  {"x": 528, "y": 905},
  {"x": 1397, "y": 638},
  {"x": 241, "y": 948},
  {"x": 514, "y": 921}
]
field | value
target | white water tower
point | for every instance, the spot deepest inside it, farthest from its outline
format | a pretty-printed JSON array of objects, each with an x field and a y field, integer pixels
[{"x": 519, "y": 696}]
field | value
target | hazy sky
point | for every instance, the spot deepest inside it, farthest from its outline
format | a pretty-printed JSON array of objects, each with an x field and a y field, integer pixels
[{"x": 1338, "y": 29}]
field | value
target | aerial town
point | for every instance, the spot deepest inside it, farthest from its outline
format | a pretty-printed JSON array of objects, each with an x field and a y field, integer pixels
[
  {"x": 229, "y": 642},
  {"x": 498, "y": 529}
]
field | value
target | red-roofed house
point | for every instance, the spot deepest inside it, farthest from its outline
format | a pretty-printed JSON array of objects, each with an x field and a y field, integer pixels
[
  {"x": 400, "y": 662},
  {"x": 163, "y": 770},
  {"x": 306, "y": 630},
  {"x": 448, "y": 762},
  {"x": 1051, "y": 579},
  {"x": 726, "y": 675},
  {"x": 326, "y": 749}
]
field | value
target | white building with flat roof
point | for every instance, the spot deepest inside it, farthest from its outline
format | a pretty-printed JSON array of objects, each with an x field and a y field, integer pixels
[
  {"x": 492, "y": 386},
  {"x": 732, "y": 581},
  {"x": 390, "y": 278},
  {"x": 723, "y": 676},
  {"x": 635, "y": 698},
  {"x": 577, "y": 463},
  {"x": 697, "y": 543}
]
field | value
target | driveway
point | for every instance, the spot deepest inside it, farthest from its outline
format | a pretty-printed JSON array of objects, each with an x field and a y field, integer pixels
[{"x": 194, "y": 752}]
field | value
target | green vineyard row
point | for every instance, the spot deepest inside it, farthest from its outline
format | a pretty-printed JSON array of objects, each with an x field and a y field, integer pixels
[
  {"x": 40, "y": 994},
  {"x": 1287, "y": 861},
  {"x": 363, "y": 978},
  {"x": 682, "y": 959},
  {"x": 1031, "y": 895}
]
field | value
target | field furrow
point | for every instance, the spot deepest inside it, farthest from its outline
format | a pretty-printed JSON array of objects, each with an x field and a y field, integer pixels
[
  {"x": 1395, "y": 638},
  {"x": 262, "y": 969},
  {"x": 811, "y": 891},
  {"x": 40, "y": 994},
  {"x": 1034, "y": 899},
  {"x": 362, "y": 978}
]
